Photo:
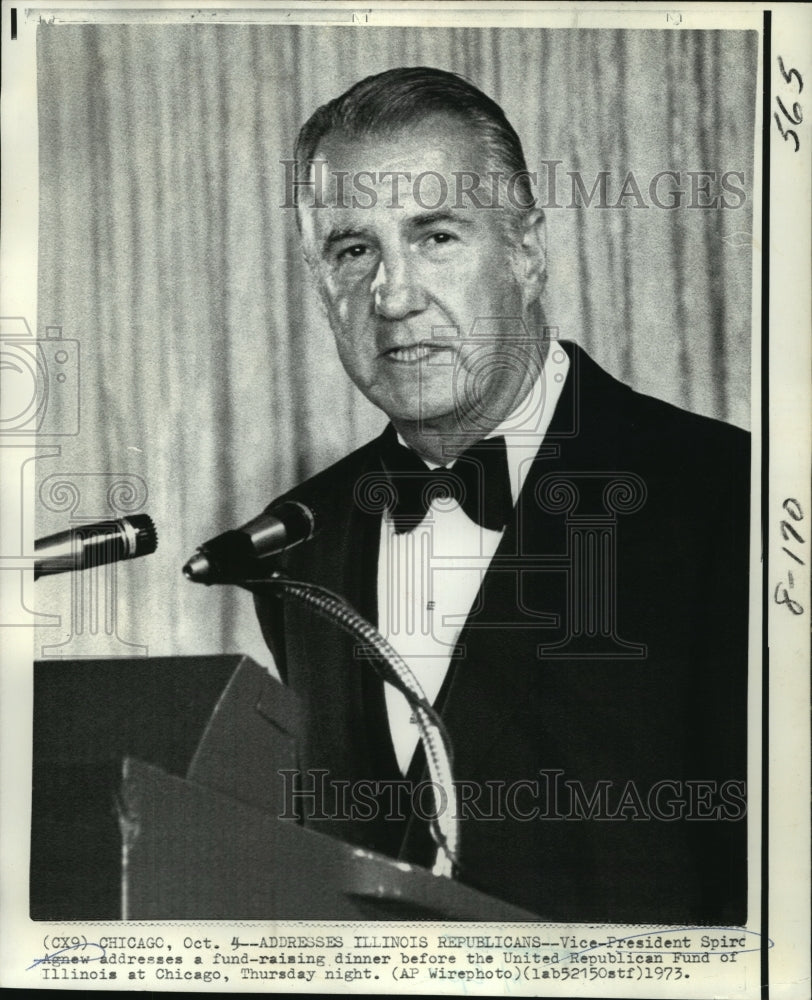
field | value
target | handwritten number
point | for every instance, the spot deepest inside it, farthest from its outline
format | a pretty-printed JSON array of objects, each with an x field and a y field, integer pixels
[
  {"x": 789, "y": 132},
  {"x": 793, "y": 605},
  {"x": 793, "y": 508},
  {"x": 787, "y": 527},
  {"x": 796, "y": 110},
  {"x": 788, "y": 76},
  {"x": 797, "y": 114}
]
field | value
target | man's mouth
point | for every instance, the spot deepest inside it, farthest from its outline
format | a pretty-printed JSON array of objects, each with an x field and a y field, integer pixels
[{"x": 414, "y": 352}]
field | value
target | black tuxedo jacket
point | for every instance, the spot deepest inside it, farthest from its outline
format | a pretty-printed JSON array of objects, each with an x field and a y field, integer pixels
[{"x": 596, "y": 702}]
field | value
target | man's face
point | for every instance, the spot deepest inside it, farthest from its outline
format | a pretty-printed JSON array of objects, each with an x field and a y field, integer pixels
[{"x": 403, "y": 286}]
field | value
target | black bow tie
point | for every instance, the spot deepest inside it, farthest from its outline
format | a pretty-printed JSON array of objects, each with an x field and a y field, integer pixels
[{"x": 479, "y": 482}]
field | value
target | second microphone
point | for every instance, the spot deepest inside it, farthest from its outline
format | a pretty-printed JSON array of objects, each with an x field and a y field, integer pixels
[{"x": 233, "y": 555}]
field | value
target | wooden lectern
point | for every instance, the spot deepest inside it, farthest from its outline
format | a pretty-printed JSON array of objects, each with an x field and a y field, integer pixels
[
  {"x": 199, "y": 821},
  {"x": 212, "y": 845}
]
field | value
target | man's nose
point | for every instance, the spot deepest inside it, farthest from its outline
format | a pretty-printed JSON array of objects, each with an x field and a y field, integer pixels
[{"x": 396, "y": 290}]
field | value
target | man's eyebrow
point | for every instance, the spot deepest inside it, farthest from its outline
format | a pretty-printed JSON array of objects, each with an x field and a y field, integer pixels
[{"x": 440, "y": 215}]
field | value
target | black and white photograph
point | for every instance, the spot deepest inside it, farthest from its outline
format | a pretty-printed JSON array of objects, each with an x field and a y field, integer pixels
[{"x": 405, "y": 449}]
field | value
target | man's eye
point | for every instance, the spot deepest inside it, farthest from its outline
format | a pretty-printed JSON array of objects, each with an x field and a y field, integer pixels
[
  {"x": 350, "y": 253},
  {"x": 439, "y": 239}
]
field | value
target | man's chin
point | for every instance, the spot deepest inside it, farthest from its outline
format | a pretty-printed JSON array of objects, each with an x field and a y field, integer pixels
[{"x": 410, "y": 411}]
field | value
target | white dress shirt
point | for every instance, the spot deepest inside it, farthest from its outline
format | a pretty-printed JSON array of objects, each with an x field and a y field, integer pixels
[{"x": 428, "y": 578}]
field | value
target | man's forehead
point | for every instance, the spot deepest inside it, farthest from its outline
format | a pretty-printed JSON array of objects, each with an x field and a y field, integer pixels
[{"x": 435, "y": 136}]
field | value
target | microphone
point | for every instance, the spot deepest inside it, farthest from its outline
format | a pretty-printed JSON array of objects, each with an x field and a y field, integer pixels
[
  {"x": 231, "y": 555},
  {"x": 94, "y": 545}
]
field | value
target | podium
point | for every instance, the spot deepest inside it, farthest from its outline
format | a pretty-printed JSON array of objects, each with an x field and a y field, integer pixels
[
  {"x": 200, "y": 833},
  {"x": 216, "y": 845}
]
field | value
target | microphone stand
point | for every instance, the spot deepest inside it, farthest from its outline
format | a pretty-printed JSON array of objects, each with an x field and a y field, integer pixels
[{"x": 395, "y": 671}]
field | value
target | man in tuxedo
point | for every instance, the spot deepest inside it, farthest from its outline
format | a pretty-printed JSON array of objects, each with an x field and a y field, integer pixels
[{"x": 562, "y": 562}]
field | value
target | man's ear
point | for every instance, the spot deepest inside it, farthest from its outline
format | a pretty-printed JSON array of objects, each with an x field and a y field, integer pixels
[{"x": 534, "y": 251}]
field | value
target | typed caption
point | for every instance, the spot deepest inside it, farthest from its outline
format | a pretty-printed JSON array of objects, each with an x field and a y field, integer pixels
[{"x": 251, "y": 957}]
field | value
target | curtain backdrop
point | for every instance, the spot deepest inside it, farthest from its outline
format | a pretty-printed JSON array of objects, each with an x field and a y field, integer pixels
[{"x": 208, "y": 379}]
